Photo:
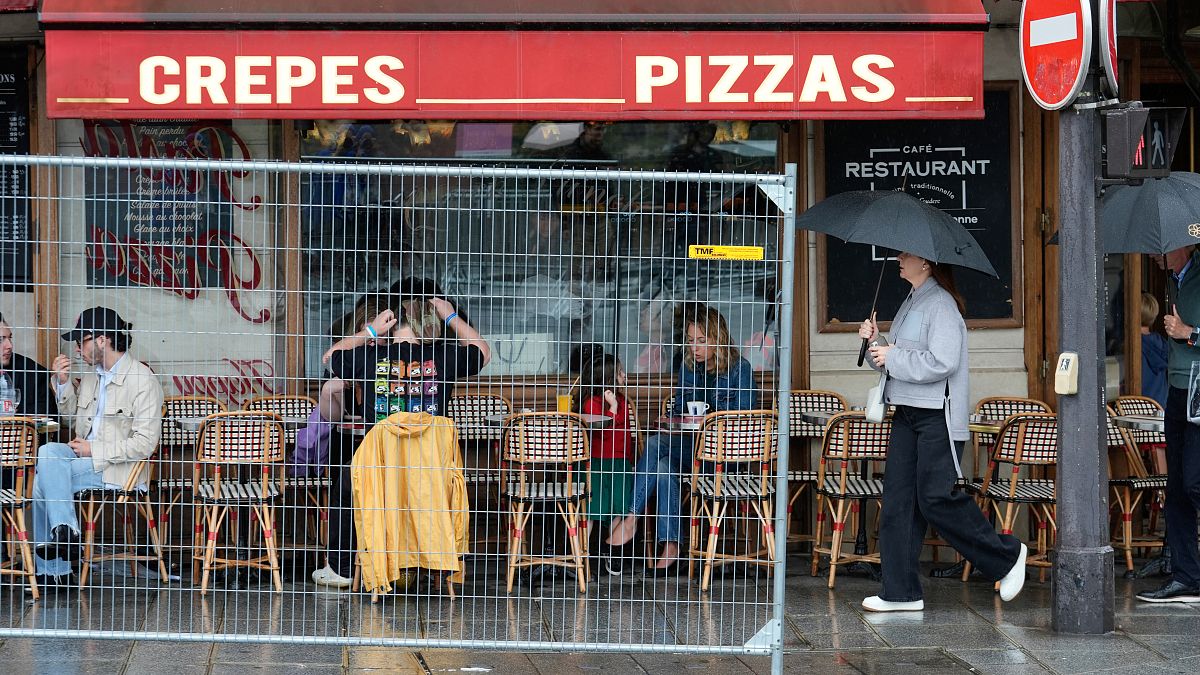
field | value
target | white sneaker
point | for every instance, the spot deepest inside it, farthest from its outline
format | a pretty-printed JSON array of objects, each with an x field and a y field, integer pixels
[
  {"x": 1012, "y": 582},
  {"x": 327, "y": 577},
  {"x": 878, "y": 604}
]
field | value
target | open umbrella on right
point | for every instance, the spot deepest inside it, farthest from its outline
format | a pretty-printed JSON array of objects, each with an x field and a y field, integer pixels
[{"x": 1156, "y": 217}]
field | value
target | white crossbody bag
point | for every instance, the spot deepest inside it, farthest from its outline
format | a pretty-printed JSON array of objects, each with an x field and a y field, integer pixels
[{"x": 876, "y": 406}]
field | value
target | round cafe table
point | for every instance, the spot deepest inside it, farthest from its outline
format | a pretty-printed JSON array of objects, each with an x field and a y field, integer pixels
[
  {"x": 1141, "y": 422},
  {"x": 679, "y": 425},
  {"x": 46, "y": 425}
]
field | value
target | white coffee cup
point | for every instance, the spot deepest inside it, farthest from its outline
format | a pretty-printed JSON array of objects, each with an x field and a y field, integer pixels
[{"x": 696, "y": 408}]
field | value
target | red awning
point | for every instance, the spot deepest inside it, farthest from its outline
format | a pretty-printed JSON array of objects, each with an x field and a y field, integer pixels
[
  {"x": 492, "y": 14},
  {"x": 515, "y": 59},
  {"x": 18, "y": 5}
]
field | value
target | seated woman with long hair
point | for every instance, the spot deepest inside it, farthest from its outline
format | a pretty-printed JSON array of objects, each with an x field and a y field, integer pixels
[{"x": 711, "y": 371}]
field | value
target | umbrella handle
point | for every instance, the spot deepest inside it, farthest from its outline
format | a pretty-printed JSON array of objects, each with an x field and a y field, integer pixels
[{"x": 862, "y": 353}]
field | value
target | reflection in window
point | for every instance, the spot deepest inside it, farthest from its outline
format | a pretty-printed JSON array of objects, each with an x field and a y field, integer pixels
[{"x": 542, "y": 266}]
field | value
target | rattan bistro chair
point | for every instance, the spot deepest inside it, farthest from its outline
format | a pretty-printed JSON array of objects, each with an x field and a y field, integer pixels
[
  {"x": 734, "y": 464},
  {"x": 801, "y": 480},
  {"x": 851, "y": 443},
  {"x": 285, "y": 406},
  {"x": 313, "y": 519},
  {"x": 1152, "y": 444},
  {"x": 547, "y": 462},
  {"x": 249, "y": 444},
  {"x": 470, "y": 413},
  {"x": 999, "y": 408},
  {"x": 667, "y": 407},
  {"x": 18, "y": 453},
  {"x": 1138, "y": 486},
  {"x": 1026, "y": 440},
  {"x": 172, "y": 482},
  {"x": 136, "y": 493},
  {"x": 480, "y": 443}
]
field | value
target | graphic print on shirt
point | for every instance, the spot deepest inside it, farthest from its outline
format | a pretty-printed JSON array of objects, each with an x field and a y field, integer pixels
[{"x": 405, "y": 386}]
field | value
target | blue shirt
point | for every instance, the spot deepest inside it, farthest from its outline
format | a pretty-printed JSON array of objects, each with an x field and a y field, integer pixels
[
  {"x": 731, "y": 390},
  {"x": 1154, "y": 367}
]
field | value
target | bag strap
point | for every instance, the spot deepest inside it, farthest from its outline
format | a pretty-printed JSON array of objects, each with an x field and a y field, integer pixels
[{"x": 950, "y": 435}]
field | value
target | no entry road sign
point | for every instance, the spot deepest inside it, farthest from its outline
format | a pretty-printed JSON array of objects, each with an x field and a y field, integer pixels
[
  {"x": 1108, "y": 42},
  {"x": 1056, "y": 49}
]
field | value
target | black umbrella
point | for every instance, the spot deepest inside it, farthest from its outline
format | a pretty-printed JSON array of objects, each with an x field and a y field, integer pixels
[
  {"x": 896, "y": 220},
  {"x": 1156, "y": 217}
]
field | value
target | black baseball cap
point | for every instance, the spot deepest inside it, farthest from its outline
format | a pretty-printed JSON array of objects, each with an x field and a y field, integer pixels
[{"x": 96, "y": 320}]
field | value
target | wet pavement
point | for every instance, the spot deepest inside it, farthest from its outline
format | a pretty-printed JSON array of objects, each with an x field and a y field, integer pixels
[{"x": 965, "y": 628}]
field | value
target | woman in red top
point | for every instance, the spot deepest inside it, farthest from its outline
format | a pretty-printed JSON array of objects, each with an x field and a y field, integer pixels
[{"x": 601, "y": 382}]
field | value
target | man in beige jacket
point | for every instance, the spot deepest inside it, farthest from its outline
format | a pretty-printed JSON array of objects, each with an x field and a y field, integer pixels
[{"x": 117, "y": 411}]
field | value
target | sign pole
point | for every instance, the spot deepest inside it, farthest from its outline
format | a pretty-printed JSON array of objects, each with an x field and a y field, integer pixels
[{"x": 1083, "y": 587}]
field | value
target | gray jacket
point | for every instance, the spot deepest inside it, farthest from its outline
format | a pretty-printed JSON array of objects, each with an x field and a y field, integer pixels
[{"x": 930, "y": 339}]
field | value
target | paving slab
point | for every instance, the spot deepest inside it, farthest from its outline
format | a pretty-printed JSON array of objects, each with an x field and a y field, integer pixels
[
  {"x": 672, "y": 664},
  {"x": 278, "y": 654},
  {"x": 1015, "y": 669},
  {"x": 1161, "y": 624},
  {"x": 61, "y": 650},
  {"x": 1071, "y": 662},
  {"x": 1172, "y": 646},
  {"x": 991, "y": 657},
  {"x": 274, "y": 669},
  {"x": 968, "y": 636},
  {"x": 150, "y": 654},
  {"x": 388, "y": 659},
  {"x": 1038, "y": 640},
  {"x": 851, "y": 640},
  {"x": 447, "y": 661},
  {"x": 923, "y": 660},
  {"x": 561, "y": 664}
]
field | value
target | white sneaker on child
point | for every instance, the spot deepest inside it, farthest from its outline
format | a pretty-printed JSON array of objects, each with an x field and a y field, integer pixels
[{"x": 327, "y": 577}]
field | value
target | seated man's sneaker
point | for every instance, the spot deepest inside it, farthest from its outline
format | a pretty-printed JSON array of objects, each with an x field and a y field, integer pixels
[
  {"x": 326, "y": 576},
  {"x": 1172, "y": 591},
  {"x": 63, "y": 545},
  {"x": 878, "y": 604},
  {"x": 1014, "y": 581}
]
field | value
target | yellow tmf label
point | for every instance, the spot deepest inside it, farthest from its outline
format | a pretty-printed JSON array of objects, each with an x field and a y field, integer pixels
[{"x": 725, "y": 252}]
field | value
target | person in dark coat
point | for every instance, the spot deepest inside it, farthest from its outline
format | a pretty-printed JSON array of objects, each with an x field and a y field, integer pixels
[{"x": 30, "y": 378}]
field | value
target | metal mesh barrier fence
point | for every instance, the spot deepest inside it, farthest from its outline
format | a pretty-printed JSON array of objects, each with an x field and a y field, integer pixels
[{"x": 397, "y": 404}]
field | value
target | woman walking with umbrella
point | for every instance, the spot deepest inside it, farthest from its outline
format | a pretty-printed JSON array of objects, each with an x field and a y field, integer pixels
[{"x": 926, "y": 380}]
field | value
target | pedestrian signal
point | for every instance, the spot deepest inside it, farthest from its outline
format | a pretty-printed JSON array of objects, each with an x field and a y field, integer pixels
[{"x": 1140, "y": 142}]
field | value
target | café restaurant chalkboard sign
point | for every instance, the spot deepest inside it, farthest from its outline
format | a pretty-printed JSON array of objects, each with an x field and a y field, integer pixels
[
  {"x": 961, "y": 166},
  {"x": 16, "y": 248}
]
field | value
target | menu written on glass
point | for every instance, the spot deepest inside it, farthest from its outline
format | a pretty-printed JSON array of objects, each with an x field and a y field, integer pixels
[{"x": 16, "y": 249}]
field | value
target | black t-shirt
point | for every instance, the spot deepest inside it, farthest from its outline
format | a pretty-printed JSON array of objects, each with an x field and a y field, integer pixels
[
  {"x": 37, "y": 399},
  {"x": 406, "y": 376}
]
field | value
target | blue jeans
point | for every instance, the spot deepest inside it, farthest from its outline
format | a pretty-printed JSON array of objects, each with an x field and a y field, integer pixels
[
  {"x": 60, "y": 474},
  {"x": 658, "y": 472}
]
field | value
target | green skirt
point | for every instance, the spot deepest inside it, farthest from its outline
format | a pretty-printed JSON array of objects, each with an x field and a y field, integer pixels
[{"x": 612, "y": 481}]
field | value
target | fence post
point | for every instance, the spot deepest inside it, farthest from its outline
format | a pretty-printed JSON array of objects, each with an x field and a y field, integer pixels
[{"x": 787, "y": 259}]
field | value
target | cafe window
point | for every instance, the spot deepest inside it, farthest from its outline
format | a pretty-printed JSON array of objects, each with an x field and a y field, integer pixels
[{"x": 539, "y": 265}]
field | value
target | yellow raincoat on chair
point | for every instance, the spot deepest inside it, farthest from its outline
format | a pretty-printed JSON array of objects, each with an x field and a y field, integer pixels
[{"x": 410, "y": 499}]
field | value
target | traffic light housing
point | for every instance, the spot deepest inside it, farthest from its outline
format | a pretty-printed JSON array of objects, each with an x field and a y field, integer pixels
[{"x": 1140, "y": 142}]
